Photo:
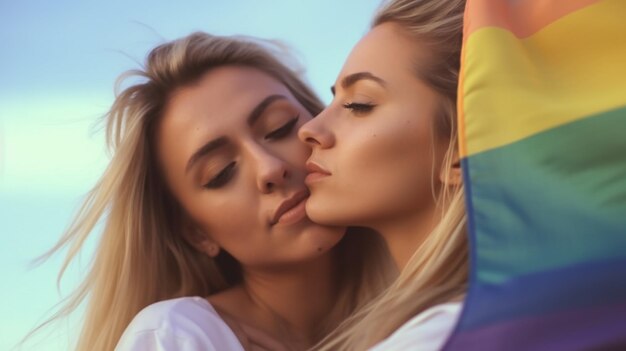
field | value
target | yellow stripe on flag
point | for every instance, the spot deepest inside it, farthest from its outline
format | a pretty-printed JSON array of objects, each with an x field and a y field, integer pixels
[{"x": 543, "y": 81}]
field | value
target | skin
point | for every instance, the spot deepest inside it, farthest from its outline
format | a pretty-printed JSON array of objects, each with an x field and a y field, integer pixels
[
  {"x": 375, "y": 159},
  {"x": 232, "y": 194}
]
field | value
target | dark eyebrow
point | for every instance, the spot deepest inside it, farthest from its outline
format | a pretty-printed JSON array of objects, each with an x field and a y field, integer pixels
[
  {"x": 258, "y": 110},
  {"x": 205, "y": 150},
  {"x": 351, "y": 79}
]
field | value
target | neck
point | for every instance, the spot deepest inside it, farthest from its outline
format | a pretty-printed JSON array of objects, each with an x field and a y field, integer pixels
[
  {"x": 295, "y": 300},
  {"x": 405, "y": 234}
]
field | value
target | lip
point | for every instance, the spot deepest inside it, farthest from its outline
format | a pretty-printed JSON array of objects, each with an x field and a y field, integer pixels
[
  {"x": 315, "y": 172},
  {"x": 291, "y": 209}
]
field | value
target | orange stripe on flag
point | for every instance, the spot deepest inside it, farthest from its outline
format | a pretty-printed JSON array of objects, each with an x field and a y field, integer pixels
[{"x": 521, "y": 17}]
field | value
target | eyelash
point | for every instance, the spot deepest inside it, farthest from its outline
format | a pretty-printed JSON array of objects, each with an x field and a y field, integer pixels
[
  {"x": 359, "y": 108},
  {"x": 221, "y": 178},
  {"x": 225, "y": 174},
  {"x": 283, "y": 131}
]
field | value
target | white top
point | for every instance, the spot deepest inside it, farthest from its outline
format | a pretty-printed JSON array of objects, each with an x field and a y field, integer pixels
[
  {"x": 428, "y": 331},
  {"x": 183, "y": 324}
]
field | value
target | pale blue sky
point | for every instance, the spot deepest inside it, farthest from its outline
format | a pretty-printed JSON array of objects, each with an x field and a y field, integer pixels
[{"x": 57, "y": 68}]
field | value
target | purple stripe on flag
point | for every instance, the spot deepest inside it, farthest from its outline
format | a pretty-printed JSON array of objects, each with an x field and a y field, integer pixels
[{"x": 598, "y": 328}]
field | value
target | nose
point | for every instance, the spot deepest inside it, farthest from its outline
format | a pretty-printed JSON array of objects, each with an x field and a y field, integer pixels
[
  {"x": 316, "y": 133},
  {"x": 272, "y": 170}
]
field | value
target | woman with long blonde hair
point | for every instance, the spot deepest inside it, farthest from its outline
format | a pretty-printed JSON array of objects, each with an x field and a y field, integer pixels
[
  {"x": 385, "y": 157},
  {"x": 202, "y": 206}
]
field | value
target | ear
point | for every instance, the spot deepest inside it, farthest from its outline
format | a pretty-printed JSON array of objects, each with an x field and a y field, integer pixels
[
  {"x": 454, "y": 175},
  {"x": 200, "y": 240}
]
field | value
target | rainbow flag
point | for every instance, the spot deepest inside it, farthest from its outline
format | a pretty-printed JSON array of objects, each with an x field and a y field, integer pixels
[{"x": 542, "y": 116}]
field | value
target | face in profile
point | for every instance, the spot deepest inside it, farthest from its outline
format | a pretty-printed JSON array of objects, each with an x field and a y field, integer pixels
[
  {"x": 374, "y": 147},
  {"x": 229, "y": 152}
]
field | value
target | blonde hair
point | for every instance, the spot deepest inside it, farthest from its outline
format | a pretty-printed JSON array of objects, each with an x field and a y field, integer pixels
[
  {"x": 142, "y": 257},
  {"x": 438, "y": 270}
]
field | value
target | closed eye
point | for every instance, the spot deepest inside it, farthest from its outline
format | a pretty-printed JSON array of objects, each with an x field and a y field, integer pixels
[
  {"x": 359, "y": 108},
  {"x": 283, "y": 131},
  {"x": 222, "y": 178}
]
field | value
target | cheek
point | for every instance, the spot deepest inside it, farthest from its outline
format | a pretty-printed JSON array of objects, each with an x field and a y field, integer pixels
[
  {"x": 228, "y": 216},
  {"x": 387, "y": 168},
  {"x": 389, "y": 150}
]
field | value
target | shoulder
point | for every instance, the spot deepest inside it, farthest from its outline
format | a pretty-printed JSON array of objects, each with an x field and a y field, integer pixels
[
  {"x": 428, "y": 330},
  {"x": 187, "y": 323}
]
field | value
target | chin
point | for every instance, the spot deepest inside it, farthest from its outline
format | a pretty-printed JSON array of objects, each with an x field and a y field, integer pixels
[
  {"x": 319, "y": 239},
  {"x": 322, "y": 213},
  {"x": 323, "y": 233}
]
